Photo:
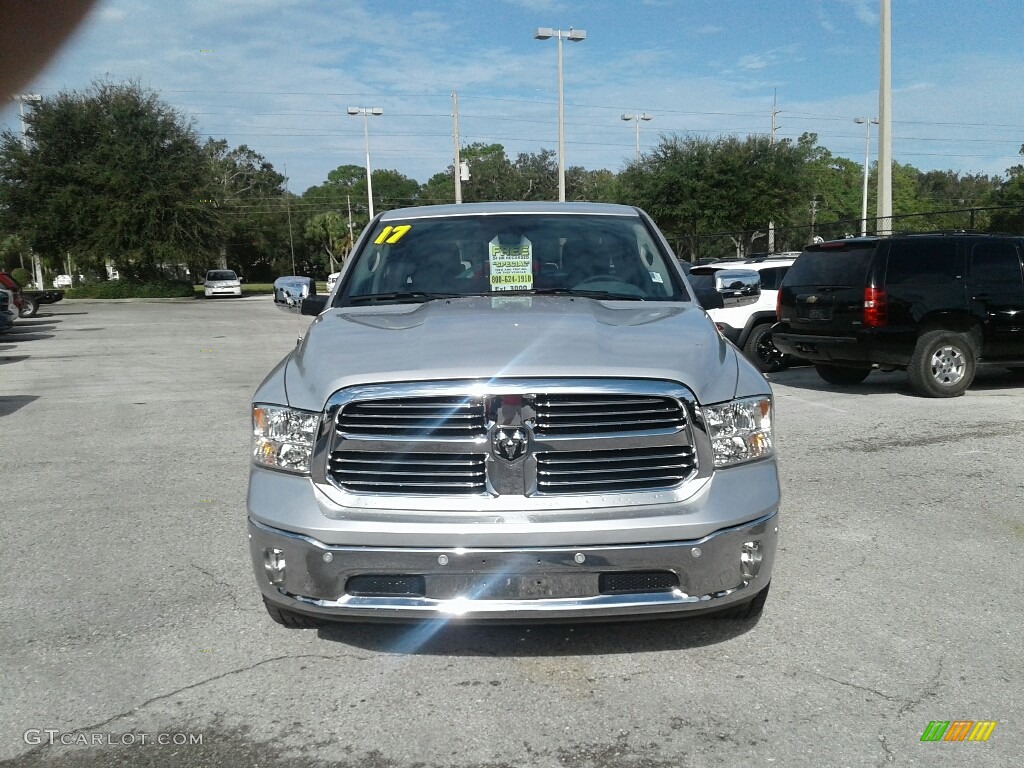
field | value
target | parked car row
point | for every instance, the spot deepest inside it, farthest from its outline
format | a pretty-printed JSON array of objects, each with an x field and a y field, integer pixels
[{"x": 22, "y": 302}]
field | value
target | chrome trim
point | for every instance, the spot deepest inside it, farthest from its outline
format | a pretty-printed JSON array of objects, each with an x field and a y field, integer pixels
[
  {"x": 504, "y": 492},
  {"x": 317, "y": 573}
]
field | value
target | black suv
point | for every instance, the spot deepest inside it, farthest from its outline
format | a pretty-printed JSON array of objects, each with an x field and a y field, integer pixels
[{"x": 933, "y": 304}]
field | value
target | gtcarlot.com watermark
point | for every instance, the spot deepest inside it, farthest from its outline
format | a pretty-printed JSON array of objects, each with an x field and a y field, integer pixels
[{"x": 53, "y": 737}]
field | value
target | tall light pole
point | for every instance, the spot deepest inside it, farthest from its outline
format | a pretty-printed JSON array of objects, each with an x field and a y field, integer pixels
[
  {"x": 867, "y": 166},
  {"x": 576, "y": 35},
  {"x": 366, "y": 112},
  {"x": 31, "y": 98},
  {"x": 638, "y": 117}
]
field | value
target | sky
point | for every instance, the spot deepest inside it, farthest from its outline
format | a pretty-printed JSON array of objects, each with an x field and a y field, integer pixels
[{"x": 279, "y": 76}]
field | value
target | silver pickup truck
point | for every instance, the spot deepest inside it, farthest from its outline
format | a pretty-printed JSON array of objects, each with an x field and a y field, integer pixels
[{"x": 513, "y": 411}]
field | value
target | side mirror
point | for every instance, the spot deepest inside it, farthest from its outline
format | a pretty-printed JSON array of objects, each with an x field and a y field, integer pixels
[
  {"x": 290, "y": 292},
  {"x": 738, "y": 287},
  {"x": 313, "y": 305}
]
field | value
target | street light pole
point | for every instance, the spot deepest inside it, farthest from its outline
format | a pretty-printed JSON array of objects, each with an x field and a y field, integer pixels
[
  {"x": 366, "y": 112},
  {"x": 867, "y": 165},
  {"x": 37, "y": 269},
  {"x": 638, "y": 117},
  {"x": 576, "y": 35}
]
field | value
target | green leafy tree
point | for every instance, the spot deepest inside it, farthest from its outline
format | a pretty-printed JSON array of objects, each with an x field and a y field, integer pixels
[
  {"x": 729, "y": 186},
  {"x": 14, "y": 253},
  {"x": 249, "y": 199},
  {"x": 492, "y": 175},
  {"x": 328, "y": 233},
  {"x": 110, "y": 175},
  {"x": 1010, "y": 197}
]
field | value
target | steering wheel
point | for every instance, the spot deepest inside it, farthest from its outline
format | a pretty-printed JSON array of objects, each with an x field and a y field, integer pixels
[
  {"x": 620, "y": 285},
  {"x": 602, "y": 278}
]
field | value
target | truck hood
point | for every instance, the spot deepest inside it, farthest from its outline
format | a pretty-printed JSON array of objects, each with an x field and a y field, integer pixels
[{"x": 525, "y": 336}]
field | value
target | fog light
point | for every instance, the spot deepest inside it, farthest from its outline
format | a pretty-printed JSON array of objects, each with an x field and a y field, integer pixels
[
  {"x": 273, "y": 561},
  {"x": 750, "y": 559}
]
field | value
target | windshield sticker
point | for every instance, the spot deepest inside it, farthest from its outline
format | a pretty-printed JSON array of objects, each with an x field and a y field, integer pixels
[
  {"x": 656, "y": 277},
  {"x": 392, "y": 235},
  {"x": 511, "y": 265}
]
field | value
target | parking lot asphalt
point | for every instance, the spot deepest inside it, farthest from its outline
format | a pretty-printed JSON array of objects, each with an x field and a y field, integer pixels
[{"x": 130, "y": 616}]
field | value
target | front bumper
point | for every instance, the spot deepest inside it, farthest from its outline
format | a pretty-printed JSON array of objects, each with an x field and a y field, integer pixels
[
  {"x": 209, "y": 292},
  {"x": 302, "y": 574}
]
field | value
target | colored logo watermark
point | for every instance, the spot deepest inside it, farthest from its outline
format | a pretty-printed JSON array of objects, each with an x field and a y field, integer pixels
[{"x": 958, "y": 730}]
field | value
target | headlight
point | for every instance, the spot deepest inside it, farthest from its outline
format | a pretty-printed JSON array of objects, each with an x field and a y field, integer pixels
[
  {"x": 740, "y": 430},
  {"x": 284, "y": 437}
]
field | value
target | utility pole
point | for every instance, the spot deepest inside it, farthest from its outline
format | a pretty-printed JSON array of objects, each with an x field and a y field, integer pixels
[
  {"x": 814, "y": 214},
  {"x": 288, "y": 204},
  {"x": 884, "y": 203},
  {"x": 351, "y": 236},
  {"x": 771, "y": 224},
  {"x": 458, "y": 161}
]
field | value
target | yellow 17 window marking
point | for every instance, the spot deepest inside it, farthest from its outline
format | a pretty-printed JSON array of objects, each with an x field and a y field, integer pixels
[{"x": 391, "y": 235}]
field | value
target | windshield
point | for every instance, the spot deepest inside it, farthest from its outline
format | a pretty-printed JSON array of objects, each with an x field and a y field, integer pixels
[
  {"x": 600, "y": 256},
  {"x": 221, "y": 274}
]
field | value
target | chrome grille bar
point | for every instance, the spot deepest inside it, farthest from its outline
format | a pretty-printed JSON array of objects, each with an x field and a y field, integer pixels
[
  {"x": 378, "y": 472},
  {"x": 579, "y": 413},
  {"x": 414, "y": 417},
  {"x": 614, "y": 470}
]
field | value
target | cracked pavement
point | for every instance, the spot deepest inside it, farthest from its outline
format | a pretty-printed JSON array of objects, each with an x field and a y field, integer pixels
[{"x": 130, "y": 607}]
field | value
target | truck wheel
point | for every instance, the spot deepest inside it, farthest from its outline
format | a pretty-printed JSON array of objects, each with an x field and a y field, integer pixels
[
  {"x": 762, "y": 351},
  {"x": 290, "y": 619},
  {"x": 942, "y": 365},
  {"x": 29, "y": 307},
  {"x": 838, "y": 374},
  {"x": 749, "y": 610}
]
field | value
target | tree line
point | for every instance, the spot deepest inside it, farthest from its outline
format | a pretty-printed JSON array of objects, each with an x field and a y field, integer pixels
[{"x": 114, "y": 178}]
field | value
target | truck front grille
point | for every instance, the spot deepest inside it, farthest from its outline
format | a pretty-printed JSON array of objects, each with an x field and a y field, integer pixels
[
  {"x": 509, "y": 437},
  {"x": 622, "y": 469},
  {"x": 569, "y": 414},
  {"x": 407, "y": 473}
]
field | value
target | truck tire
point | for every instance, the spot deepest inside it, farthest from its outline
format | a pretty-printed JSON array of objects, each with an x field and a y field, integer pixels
[
  {"x": 762, "y": 352},
  {"x": 29, "y": 307},
  {"x": 841, "y": 375},
  {"x": 749, "y": 610},
  {"x": 290, "y": 619},
  {"x": 942, "y": 365}
]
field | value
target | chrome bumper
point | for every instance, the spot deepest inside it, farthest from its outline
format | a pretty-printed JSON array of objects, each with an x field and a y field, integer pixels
[{"x": 302, "y": 574}]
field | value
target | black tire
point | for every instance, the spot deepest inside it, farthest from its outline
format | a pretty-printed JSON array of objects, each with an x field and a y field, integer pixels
[
  {"x": 29, "y": 307},
  {"x": 842, "y": 375},
  {"x": 290, "y": 619},
  {"x": 751, "y": 609},
  {"x": 762, "y": 352},
  {"x": 943, "y": 364}
]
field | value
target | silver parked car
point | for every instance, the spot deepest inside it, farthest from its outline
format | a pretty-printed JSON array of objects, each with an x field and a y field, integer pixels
[{"x": 513, "y": 411}]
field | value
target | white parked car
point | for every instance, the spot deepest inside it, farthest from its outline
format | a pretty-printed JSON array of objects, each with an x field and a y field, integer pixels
[
  {"x": 748, "y": 327},
  {"x": 222, "y": 282},
  {"x": 62, "y": 281},
  {"x": 331, "y": 280}
]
